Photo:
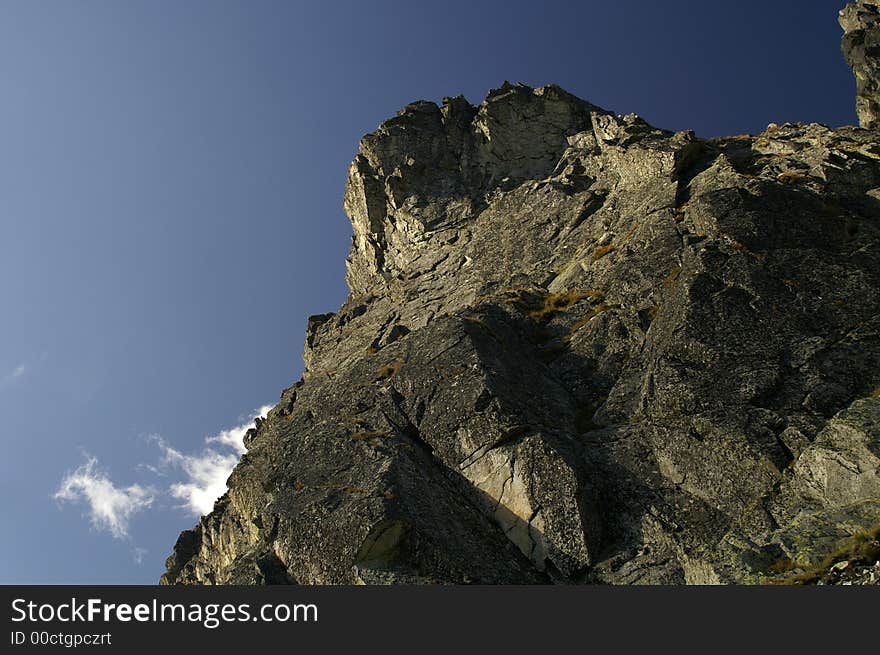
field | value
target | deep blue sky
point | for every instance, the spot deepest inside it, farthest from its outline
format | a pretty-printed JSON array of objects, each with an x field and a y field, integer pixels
[{"x": 171, "y": 178}]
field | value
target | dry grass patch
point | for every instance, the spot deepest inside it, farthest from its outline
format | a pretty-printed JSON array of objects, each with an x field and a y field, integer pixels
[
  {"x": 388, "y": 371},
  {"x": 601, "y": 251},
  {"x": 861, "y": 548},
  {"x": 790, "y": 177},
  {"x": 671, "y": 277},
  {"x": 556, "y": 302}
]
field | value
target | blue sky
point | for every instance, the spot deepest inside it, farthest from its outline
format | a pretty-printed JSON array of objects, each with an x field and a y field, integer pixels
[{"x": 171, "y": 178}]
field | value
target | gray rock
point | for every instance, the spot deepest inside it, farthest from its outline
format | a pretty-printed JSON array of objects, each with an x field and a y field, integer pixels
[
  {"x": 577, "y": 348},
  {"x": 861, "y": 47}
]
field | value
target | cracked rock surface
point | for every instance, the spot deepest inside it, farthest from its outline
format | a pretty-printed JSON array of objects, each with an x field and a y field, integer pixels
[{"x": 577, "y": 349}]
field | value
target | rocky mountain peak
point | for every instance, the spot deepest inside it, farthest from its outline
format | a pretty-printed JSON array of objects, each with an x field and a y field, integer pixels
[
  {"x": 579, "y": 348},
  {"x": 430, "y": 170}
]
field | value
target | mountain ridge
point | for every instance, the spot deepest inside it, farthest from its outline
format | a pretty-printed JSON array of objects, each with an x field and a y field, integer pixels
[{"x": 578, "y": 349}]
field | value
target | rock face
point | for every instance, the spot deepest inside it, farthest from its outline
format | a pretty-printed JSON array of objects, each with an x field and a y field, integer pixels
[
  {"x": 577, "y": 349},
  {"x": 861, "y": 47}
]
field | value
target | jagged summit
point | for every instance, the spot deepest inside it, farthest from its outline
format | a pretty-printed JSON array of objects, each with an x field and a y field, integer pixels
[
  {"x": 577, "y": 348},
  {"x": 430, "y": 168}
]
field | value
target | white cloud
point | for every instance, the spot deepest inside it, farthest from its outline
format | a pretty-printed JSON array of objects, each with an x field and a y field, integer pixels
[
  {"x": 137, "y": 554},
  {"x": 206, "y": 473},
  {"x": 234, "y": 437},
  {"x": 203, "y": 481},
  {"x": 13, "y": 375},
  {"x": 110, "y": 507}
]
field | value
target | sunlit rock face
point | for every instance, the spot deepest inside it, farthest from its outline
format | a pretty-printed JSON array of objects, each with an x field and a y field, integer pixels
[
  {"x": 577, "y": 349},
  {"x": 861, "y": 47}
]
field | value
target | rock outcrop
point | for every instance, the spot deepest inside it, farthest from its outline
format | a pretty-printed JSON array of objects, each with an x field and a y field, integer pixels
[
  {"x": 577, "y": 348},
  {"x": 861, "y": 47}
]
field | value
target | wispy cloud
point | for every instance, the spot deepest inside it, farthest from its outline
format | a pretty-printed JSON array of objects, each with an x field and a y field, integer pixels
[
  {"x": 13, "y": 375},
  {"x": 137, "y": 554},
  {"x": 206, "y": 472},
  {"x": 109, "y": 507}
]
